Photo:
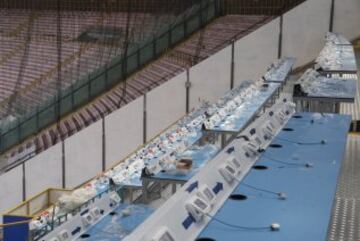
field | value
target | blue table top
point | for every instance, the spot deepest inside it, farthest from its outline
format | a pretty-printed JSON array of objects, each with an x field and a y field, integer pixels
[
  {"x": 337, "y": 58},
  {"x": 279, "y": 74},
  {"x": 135, "y": 179},
  {"x": 331, "y": 88},
  {"x": 305, "y": 214},
  {"x": 200, "y": 157},
  {"x": 117, "y": 227},
  {"x": 238, "y": 120}
]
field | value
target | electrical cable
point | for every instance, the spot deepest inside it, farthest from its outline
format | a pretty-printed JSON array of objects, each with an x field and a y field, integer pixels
[
  {"x": 246, "y": 138},
  {"x": 308, "y": 165},
  {"x": 280, "y": 195},
  {"x": 322, "y": 142},
  {"x": 237, "y": 226}
]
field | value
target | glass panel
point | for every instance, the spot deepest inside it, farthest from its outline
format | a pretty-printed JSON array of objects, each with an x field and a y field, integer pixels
[
  {"x": 146, "y": 53},
  {"x": 177, "y": 33},
  {"x": 162, "y": 43},
  {"x": 81, "y": 96},
  {"x": 193, "y": 24},
  {"x": 97, "y": 84},
  {"x": 114, "y": 74},
  {"x": 28, "y": 127},
  {"x": 47, "y": 116},
  {"x": 10, "y": 138},
  {"x": 82, "y": 90},
  {"x": 131, "y": 64}
]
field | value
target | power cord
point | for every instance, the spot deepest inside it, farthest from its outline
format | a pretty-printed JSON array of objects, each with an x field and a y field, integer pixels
[
  {"x": 272, "y": 227},
  {"x": 307, "y": 165},
  {"x": 322, "y": 142},
  {"x": 280, "y": 195}
]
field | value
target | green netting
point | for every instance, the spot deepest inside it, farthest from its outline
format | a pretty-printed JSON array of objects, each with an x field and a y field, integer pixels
[
  {"x": 209, "y": 12},
  {"x": 81, "y": 95},
  {"x": 10, "y": 138},
  {"x": 66, "y": 102},
  {"x": 114, "y": 73},
  {"x": 91, "y": 86},
  {"x": 28, "y": 127},
  {"x": 193, "y": 24},
  {"x": 162, "y": 43},
  {"x": 177, "y": 33},
  {"x": 47, "y": 115},
  {"x": 97, "y": 84},
  {"x": 10, "y": 125},
  {"x": 80, "y": 83},
  {"x": 146, "y": 53},
  {"x": 131, "y": 63}
]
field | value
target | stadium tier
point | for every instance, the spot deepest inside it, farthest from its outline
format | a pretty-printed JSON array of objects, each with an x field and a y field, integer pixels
[
  {"x": 49, "y": 56},
  {"x": 32, "y": 66}
]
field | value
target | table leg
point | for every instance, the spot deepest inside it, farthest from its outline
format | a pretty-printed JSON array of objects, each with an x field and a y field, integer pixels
[
  {"x": 144, "y": 190},
  {"x": 131, "y": 194},
  {"x": 173, "y": 188},
  {"x": 223, "y": 140},
  {"x": 337, "y": 107}
]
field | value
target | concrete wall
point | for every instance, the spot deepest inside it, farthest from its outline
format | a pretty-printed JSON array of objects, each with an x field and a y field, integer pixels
[
  {"x": 256, "y": 51},
  {"x": 44, "y": 171},
  {"x": 83, "y": 155},
  {"x": 123, "y": 131},
  {"x": 347, "y": 18},
  {"x": 304, "y": 29},
  {"x": 211, "y": 78},
  {"x": 11, "y": 192},
  {"x": 165, "y": 104}
]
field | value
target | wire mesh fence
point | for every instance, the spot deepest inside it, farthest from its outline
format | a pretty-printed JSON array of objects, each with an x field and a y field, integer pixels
[
  {"x": 88, "y": 60},
  {"x": 258, "y": 7},
  {"x": 62, "y": 54}
]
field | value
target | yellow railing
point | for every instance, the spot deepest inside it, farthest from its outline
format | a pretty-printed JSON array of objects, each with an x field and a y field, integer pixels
[
  {"x": 50, "y": 196},
  {"x": 357, "y": 45},
  {"x": 38, "y": 203}
]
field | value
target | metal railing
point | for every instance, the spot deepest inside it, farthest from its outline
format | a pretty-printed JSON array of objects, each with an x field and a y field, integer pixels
[
  {"x": 39, "y": 233},
  {"x": 152, "y": 6},
  {"x": 258, "y": 7},
  {"x": 103, "y": 79}
]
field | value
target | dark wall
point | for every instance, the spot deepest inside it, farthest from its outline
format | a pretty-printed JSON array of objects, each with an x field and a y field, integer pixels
[
  {"x": 98, "y": 5},
  {"x": 263, "y": 7},
  {"x": 259, "y": 7}
]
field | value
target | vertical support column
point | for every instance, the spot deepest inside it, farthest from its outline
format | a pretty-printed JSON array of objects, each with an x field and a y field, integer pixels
[
  {"x": 18, "y": 127},
  {"x": 332, "y": 11},
  {"x": 170, "y": 38},
  {"x": 154, "y": 46},
  {"x": 173, "y": 188},
  {"x": 107, "y": 87},
  {"x": 280, "y": 36},
  {"x": 223, "y": 140},
  {"x": 23, "y": 182},
  {"x": 63, "y": 164},
  {"x": 187, "y": 86},
  {"x": 144, "y": 194},
  {"x": 144, "y": 121},
  {"x": 89, "y": 87},
  {"x": 103, "y": 144},
  {"x": 232, "y": 67}
]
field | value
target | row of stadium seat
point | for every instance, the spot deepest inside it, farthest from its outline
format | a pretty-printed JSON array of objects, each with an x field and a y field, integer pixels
[
  {"x": 41, "y": 64},
  {"x": 158, "y": 72}
]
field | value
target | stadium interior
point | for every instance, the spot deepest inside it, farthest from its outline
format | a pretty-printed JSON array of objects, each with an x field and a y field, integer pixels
[{"x": 118, "y": 116}]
